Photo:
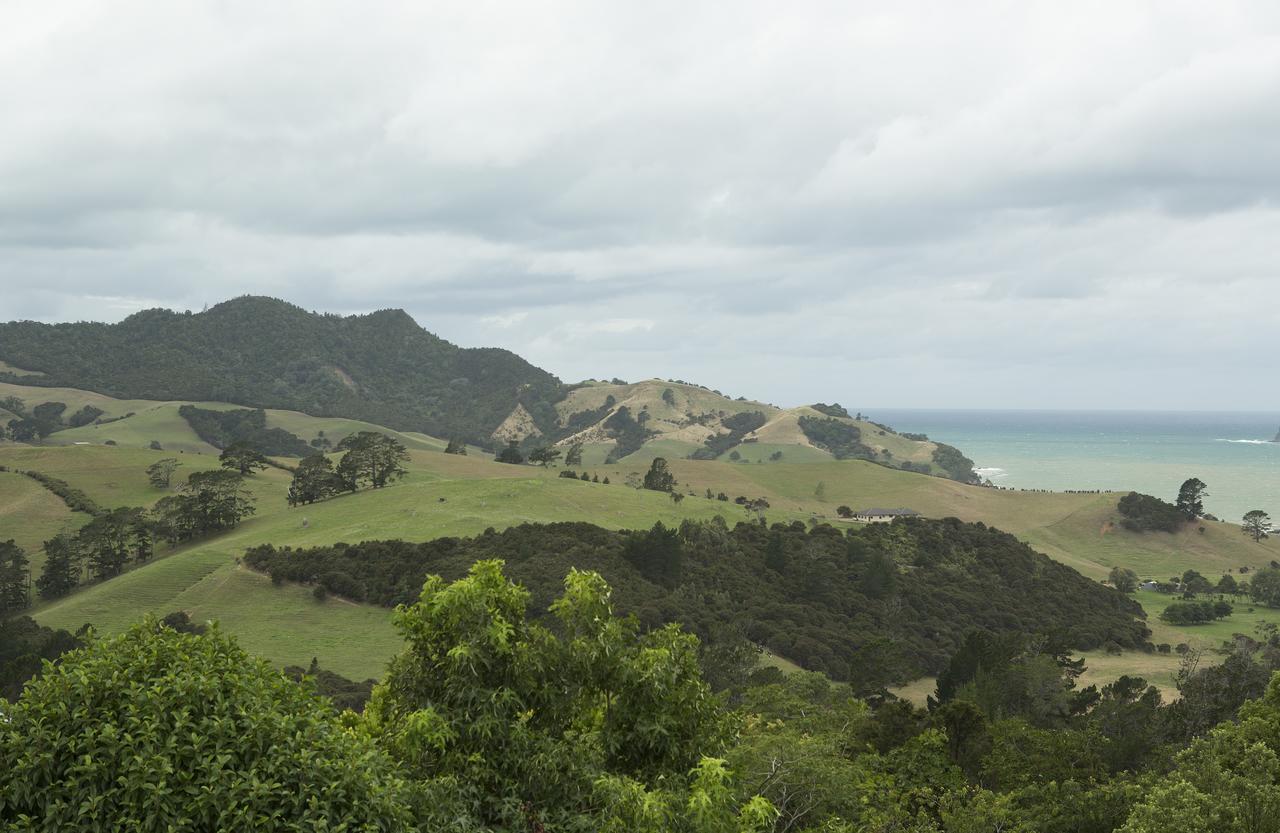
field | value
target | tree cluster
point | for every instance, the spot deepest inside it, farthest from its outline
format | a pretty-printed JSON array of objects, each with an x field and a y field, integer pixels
[
  {"x": 1145, "y": 513},
  {"x": 1192, "y": 612},
  {"x": 843, "y": 440},
  {"x": 371, "y": 459},
  {"x": 814, "y": 596},
  {"x": 243, "y": 429}
]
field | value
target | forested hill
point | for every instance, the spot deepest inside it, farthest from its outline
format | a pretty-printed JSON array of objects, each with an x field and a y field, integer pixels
[
  {"x": 262, "y": 352},
  {"x": 894, "y": 600}
]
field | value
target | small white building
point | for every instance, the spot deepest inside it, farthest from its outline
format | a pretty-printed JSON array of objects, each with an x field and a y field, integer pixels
[{"x": 882, "y": 516}]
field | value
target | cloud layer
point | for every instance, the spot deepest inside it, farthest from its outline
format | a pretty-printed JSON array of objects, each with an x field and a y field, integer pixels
[{"x": 989, "y": 204}]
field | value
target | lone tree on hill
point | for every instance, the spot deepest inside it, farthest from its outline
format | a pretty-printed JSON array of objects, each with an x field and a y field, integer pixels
[
  {"x": 456, "y": 446},
  {"x": 314, "y": 479},
  {"x": 242, "y": 457},
  {"x": 573, "y": 457},
  {"x": 1256, "y": 524},
  {"x": 544, "y": 456},
  {"x": 511, "y": 454},
  {"x": 370, "y": 456},
  {"x": 658, "y": 478},
  {"x": 1123, "y": 579},
  {"x": 160, "y": 473},
  {"x": 1191, "y": 498}
]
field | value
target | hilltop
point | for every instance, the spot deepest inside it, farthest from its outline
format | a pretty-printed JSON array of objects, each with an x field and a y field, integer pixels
[
  {"x": 384, "y": 368},
  {"x": 262, "y": 352},
  {"x": 642, "y": 420}
]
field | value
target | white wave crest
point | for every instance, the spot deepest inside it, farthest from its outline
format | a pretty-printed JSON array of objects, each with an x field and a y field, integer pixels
[
  {"x": 1246, "y": 442},
  {"x": 990, "y": 472}
]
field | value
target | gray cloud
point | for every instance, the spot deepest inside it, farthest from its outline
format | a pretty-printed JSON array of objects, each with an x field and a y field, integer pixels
[{"x": 1028, "y": 205}]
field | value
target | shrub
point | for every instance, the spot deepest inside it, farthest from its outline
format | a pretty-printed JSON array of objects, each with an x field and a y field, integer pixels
[{"x": 129, "y": 727}]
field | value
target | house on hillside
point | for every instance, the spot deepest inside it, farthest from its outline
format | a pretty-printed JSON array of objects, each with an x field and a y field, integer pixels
[{"x": 882, "y": 516}]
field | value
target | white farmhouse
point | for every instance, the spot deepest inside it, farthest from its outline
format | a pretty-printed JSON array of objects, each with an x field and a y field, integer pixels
[{"x": 883, "y": 516}]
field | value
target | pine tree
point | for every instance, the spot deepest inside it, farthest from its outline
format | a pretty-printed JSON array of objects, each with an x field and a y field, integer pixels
[
  {"x": 1191, "y": 498},
  {"x": 659, "y": 478},
  {"x": 61, "y": 567},
  {"x": 15, "y": 577}
]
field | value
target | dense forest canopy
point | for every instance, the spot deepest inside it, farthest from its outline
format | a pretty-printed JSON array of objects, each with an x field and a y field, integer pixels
[
  {"x": 266, "y": 353},
  {"x": 819, "y": 597}
]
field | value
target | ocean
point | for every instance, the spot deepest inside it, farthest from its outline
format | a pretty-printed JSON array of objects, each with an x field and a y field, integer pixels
[{"x": 1150, "y": 452}]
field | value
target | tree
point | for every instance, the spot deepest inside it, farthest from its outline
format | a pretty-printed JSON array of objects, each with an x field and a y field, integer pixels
[
  {"x": 658, "y": 478},
  {"x": 844, "y": 511},
  {"x": 242, "y": 457},
  {"x": 188, "y": 732},
  {"x": 373, "y": 457},
  {"x": 210, "y": 501},
  {"x": 456, "y": 446},
  {"x": 48, "y": 417},
  {"x": 15, "y": 578},
  {"x": 545, "y": 455},
  {"x": 573, "y": 457},
  {"x": 775, "y": 554},
  {"x": 84, "y": 416},
  {"x": 492, "y": 704},
  {"x": 314, "y": 479},
  {"x": 1256, "y": 524},
  {"x": 1227, "y": 585},
  {"x": 160, "y": 473},
  {"x": 23, "y": 430},
  {"x": 1264, "y": 587},
  {"x": 1123, "y": 579},
  {"x": 511, "y": 454},
  {"x": 112, "y": 539},
  {"x": 61, "y": 574},
  {"x": 1191, "y": 498},
  {"x": 880, "y": 577}
]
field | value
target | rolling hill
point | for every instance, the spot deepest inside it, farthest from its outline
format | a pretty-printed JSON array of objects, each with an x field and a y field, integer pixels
[
  {"x": 451, "y": 495},
  {"x": 383, "y": 368},
  {"x": 261, "y": 352}
]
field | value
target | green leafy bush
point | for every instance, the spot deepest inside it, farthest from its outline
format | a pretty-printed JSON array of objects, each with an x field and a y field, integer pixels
[{"x": 158, "y": 730}]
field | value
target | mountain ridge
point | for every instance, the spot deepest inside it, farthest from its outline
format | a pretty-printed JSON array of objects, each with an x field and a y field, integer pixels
[{"x": 264, "y": 352}]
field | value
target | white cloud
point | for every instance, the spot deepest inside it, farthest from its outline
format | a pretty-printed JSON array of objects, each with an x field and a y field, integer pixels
[{"x": 985, "y": 203}]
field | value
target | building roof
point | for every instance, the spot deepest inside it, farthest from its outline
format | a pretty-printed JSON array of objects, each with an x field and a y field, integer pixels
[{"x": 870, "y": 512}]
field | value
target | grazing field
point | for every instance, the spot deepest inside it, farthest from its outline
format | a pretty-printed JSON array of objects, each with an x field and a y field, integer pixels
[
  {"x": 443, "y": 495},
  {"x": 30, "y": 515},
  {"x": 451, "y": 495}
]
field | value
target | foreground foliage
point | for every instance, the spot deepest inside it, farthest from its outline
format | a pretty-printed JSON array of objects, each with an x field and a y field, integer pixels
[
  {"x": 160, "y": 730},
  {"x": 592, "y": 726}
]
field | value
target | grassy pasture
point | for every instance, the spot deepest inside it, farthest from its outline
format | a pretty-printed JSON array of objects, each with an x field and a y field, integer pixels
[
  {"x": 30, "y": 515},
  {"x": 288, "y": 626}
]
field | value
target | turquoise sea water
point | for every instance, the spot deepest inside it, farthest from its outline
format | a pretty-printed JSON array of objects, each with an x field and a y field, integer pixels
[{"x": 1151, "y": 452}]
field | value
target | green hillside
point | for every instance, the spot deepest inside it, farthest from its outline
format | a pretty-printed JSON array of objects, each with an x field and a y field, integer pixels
[
  {"x": 203, "y": 578},
  {"x": 261, "y": 352},
  {"x": 448, "y": 495}
]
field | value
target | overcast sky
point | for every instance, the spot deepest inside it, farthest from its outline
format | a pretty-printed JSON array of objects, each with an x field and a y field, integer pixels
[{"x": 913, "y": 204}]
